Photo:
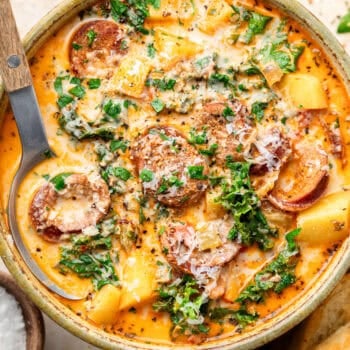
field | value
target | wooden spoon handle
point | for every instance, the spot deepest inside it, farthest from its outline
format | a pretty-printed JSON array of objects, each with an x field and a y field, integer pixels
[{"x": 14, "y": 68}]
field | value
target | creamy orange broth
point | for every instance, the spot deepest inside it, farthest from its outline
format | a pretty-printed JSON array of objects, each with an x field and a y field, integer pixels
[{"x": 73, "y": 156}]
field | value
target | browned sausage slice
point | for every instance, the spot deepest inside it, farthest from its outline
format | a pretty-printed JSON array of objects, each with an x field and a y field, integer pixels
[
  {"x": 182, "y": 246},
  {"x": 176, "y": 172},
  {"x": 83, "y": 202},
  {"x": 302, "y": 180},
  {"x": 232, "y": 134},
  {"x": 96, "y": 47}
]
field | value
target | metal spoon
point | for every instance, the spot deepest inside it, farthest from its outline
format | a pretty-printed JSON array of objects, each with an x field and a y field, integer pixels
[{"x": 15, "y": 73}]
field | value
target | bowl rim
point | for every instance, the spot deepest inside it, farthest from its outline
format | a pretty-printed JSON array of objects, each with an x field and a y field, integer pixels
[{"x": 294, "y": 313}]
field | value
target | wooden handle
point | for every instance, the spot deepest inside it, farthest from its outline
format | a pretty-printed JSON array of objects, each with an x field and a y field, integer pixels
[{"x": 14, "y": 68}]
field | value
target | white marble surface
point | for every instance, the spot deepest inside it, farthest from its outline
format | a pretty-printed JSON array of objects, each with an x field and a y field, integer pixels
[{"x": 28, "y": 12}]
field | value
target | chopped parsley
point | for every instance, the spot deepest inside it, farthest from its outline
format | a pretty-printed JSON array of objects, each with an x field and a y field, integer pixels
[
  {"x": 168, "y": 182},
  {"x": 256, "y": 25},
  {"x": 64, "y": 100},
  {"x": 250, "y": 225},
  {"x": 161, "y": 84},
  {"x": 122, "y": 173},
  {"x": 77, "y": 91},
  {"x": 118, "y": 144},
  {"x": 258, "y": 110},
  {"x": 59, "y": 181},
  {"x": 151, "y": 51},
  {"x": 211, "y": 151},
  {"x": 112, "y": 109},
  {"x": 158, "y": 105},
  {"x": 76, "y": 46},
  {"x": 91, "y": 36},
  {"x": 94, "y": 83},
  {"x": 198, "y": 138},
  {"x": 196, "y": 172},
  {"x": 344, "y": 24},
  {"x": 133, "y": 12},
  {"x": 146, "y": 175},
  {"x": 227, "y": 113}
]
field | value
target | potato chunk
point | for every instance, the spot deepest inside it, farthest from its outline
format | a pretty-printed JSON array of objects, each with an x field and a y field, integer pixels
[
  {"x": 129, "y": 78},
  {"x": 172, "y": 48},
  {"x": 305, "y": 91},
  {"x": 218, "y": 12},
  {"x": 104, "y": 307},
  {"x": 139, "y": 279},
  {"x": 213, "y": 209},
  {"x": 326, "y": 221},
  {"x": 172, "y": 10}
]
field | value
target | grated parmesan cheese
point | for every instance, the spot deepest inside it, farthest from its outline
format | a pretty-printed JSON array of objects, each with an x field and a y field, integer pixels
[{"x": 12, "y": 327}]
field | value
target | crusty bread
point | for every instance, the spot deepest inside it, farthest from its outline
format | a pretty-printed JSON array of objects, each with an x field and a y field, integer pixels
[
  {"x": 340, "y": 340},
  {"x": 331, "y": 315}
]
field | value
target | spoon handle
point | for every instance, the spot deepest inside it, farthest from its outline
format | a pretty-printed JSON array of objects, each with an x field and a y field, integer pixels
[{"x": 14, "y": 68}]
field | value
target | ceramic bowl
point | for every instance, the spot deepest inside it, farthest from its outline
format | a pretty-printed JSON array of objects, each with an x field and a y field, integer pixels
[
  {"x": 292, "y": 313},
  {"x": 33, "y": 319}
]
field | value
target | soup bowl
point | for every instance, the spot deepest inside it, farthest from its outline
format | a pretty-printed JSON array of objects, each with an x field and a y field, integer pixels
[{"x": 272, "y": 327}]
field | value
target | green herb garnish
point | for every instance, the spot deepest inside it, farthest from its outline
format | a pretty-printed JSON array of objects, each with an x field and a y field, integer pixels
[{"x": 59, "y": 181}]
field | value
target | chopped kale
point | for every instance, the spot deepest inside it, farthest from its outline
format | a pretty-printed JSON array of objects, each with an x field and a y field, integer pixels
[
  {"x": 250, "y": 225},
  {"x": 277, "y": 49},
  {"x": 86, "y": 259},
  {"x": 256, "y": 25},
  {"x": 185, "y": 304},
  {"x": 241, "y": 316},
  {"x": 276, "y": 276}
]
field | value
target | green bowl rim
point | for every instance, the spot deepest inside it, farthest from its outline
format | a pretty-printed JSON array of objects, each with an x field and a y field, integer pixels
[{"x": 259, "y": 335}]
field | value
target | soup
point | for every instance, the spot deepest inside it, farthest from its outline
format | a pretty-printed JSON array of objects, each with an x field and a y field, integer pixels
[{"x": 200, "y": 183}]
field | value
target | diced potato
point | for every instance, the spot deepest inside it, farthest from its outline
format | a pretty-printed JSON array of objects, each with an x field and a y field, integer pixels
[
  {"x": 327, "y": 220},
  {"x": 174, "y": 10},
  {"x": 213, "y": 209},
  {"x": 272, "y": 73},
  {"x": 207, "y": 237},
  {"x": 87, "y": 106},
  {"x": 104, "y": 307},
  {"x": 139, "y": 279},
  {"x": 172, "y": 48},
  {"x": 129, "y": 78},
  {"x": 305, "y": 91},
  {"x": 218, "y": 12}
]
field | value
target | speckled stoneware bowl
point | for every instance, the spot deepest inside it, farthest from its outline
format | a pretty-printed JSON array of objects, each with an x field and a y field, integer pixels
[{"x": 292, "y": 314}]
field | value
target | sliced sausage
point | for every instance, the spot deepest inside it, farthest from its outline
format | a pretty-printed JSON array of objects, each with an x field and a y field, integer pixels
[
  {"x": 302, "y": 180},
  {"x": 96, "y": 48},
  {"x": 270, "y": 150},
  {"x": 167, "y": 156},
  {"x": 232, "y": 134},
  {"x": 182, "y": 247},
  {"x": 83, "y": 202}
]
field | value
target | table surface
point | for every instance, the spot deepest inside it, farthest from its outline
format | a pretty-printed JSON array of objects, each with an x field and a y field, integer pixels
[{"x": 28, "y": 12}]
